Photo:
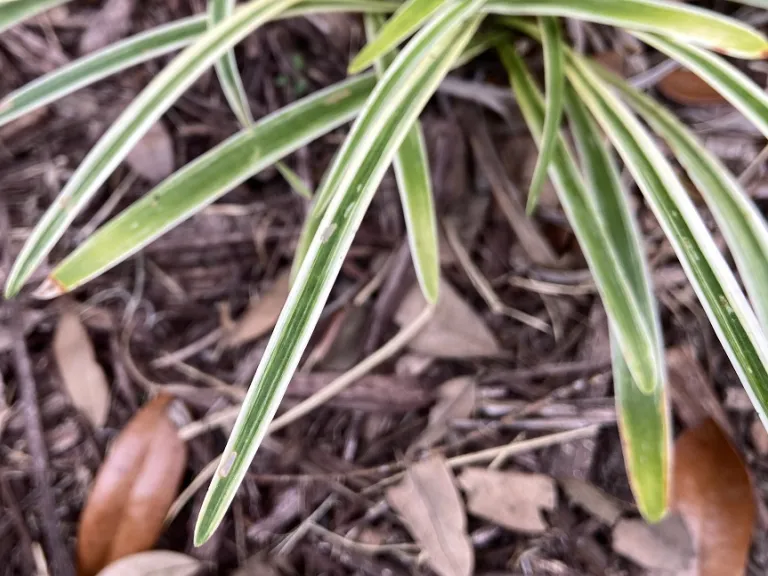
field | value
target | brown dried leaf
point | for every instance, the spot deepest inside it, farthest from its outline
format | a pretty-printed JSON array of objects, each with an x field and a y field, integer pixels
[
  {"x": 664, "y": 547},
  {"x": 133, "y": 489},
  {"x": 430, "y": 505},
  {"x": 152, "y": 157},
  {"x": 80, "y": 372},
  {"x": 593, "y": 500},
  {"x": 261, "y": 315},
  {"x": 109, "y": 24},
  {"x": 154, "y": 563},
  {"x": 456, "y": 399},
  {"x": 455, "y": 331},
  {"x": 510, "y": 499},
  {"x": 713, "y": 493},
  {"x": 684, "y": 87}
]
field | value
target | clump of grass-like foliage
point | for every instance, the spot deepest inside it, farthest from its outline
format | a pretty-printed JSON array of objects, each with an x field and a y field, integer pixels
[{"x": 384, "y": 106}]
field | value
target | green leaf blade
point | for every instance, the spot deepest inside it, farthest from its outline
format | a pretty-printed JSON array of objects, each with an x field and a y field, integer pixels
[
  {"x": 554, "y": 64},
  {"x": 414, "y": 185},
  {"x": 408, "y": 18},
  {"x": 633, "y": 328},
  {"x": 646, "y": 438},
  {"x": 207, "y": 178},
  {"x": 146, "y": 109},
  {"x": 643, "y": 416},
  {"x": 735, "y": 86},
  {"x": 12, "y": 13},
  {"x": 226, "y": 68},
  {"x": 353, "y": 178},
  {"x": 737, "y": 216},
  {"x": 93, "y": 67},
  {"x": 686, "y": 23},
  {"x": 731, "y": 316}
]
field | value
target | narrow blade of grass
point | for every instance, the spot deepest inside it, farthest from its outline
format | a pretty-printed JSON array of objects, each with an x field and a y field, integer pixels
[
  {"x": 207, "y": 178},
  {"x": 12, "y": 13},
  {"x": 645, "y": 431},
  {"x": 408, "y": 18},
  {"x": 415, "y": 187},
  {"x": 685, "y": 23},
  {"x": 554, "y": 64},
  {"x": 731, "y": 316},
  {"x": 737, "y": 216},
  {"x": 99, "y": 65},
  {"x": 144, "y": 111},
  {"x": 626, "y": 312},
  {"x": 735, "y": 86},
  {"x": 352, "y": 180},
  {"x": 226, "y": 67},
  {"x": 294, "y": 181},
  {"x": 644, "y": 418},
  {"x": 479, "y": 43},
  {"x": 144, "y": 47}
]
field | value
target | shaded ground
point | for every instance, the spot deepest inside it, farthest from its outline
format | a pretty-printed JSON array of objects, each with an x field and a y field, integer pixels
[{"x": 180, "y": 292}]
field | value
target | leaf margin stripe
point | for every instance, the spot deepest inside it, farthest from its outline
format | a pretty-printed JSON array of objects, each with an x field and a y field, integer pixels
[
  {"x": 89, "y": 260},
  {"x": 226, "y": 68},
  {"x": 414, "y": 184},
  {"x": 679, "y": 21},
  {"x": 726, "y": 306},
  {"x": 554, "y": 71},
  {"x": 421, "y": 66},
  {"x": 737, "y": 216},
  {"x": 735, "y": 86},
  {"x": 408, "y": 18},
  {"x": 132, "y": 124},
  {"x": 12, "y": 13},
  {"x": 644, "y": 420},
  {"x": 620, "y": 300}
]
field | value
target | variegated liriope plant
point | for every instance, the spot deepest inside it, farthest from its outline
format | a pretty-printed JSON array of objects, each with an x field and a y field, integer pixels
[{"x": 602, "y": 112}]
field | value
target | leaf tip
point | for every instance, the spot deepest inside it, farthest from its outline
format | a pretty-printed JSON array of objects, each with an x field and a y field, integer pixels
[
  {"x": 49, "y": 288},
  {"x": 207, "y": 522}
]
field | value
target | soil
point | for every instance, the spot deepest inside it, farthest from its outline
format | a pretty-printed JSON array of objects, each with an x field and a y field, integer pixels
[{"x": 188, "y": 285}]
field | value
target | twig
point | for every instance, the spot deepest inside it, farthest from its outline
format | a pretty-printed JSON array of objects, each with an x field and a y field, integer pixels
[
  {"x": 482, "y": 285},
  {"x": 334, "y": 388},
  {"x": 368, "y": 549},
  {"x": 399, "y": 280},
  {"x": 50, "y": 523}
]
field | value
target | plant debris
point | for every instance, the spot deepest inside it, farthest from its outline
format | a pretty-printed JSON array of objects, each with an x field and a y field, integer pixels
[
  {"x": 509, "y": 499},
  {"x": 82, "y": 375},
  {"x": 133, "y": 489},
  {"x": 430, "y": 505}
]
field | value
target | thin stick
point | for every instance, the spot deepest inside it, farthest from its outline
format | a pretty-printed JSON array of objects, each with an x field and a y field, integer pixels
[
  {"x": 482, "y": 285},
  {"x": 368, "y": 549},
  {"x": 318, "y": 399},
  {"x": 41, "y": 475}
]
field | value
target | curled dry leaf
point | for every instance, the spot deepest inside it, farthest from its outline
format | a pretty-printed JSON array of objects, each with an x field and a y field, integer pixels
[
  {"x": 430, "y": 505},
  {"x": 133, "y": 489},
  {"x": 262, "y": 314},
  {"x": 152, "y": 157},
  {"x": 80, "y": 372},
  {"x": 455, "y": 331},
  {"x": 456, "y": 399},
  {"x": 713, "y": 493},
  {"x": 684, "y": 87},
  {"x": 158, "y": 562},
  {"x": 512, "y": 500}
]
